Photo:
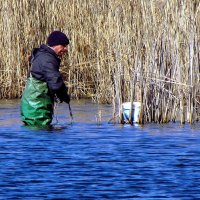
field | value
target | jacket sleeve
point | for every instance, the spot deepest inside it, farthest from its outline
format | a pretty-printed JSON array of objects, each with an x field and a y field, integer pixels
[{"x": 55, "y": 81}]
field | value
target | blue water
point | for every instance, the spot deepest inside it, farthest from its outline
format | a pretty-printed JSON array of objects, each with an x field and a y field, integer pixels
[{"x": 90, "y": 160}]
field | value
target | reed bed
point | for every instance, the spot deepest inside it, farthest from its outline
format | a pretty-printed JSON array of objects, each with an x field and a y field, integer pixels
[{"x": 121, "y": 50}]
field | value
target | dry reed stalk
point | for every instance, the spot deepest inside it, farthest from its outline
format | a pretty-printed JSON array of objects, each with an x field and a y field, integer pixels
[{"x": 149, "y": 47}]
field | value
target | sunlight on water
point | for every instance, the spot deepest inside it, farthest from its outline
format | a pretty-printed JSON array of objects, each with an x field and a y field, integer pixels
[{"x": 85, "y": 160}]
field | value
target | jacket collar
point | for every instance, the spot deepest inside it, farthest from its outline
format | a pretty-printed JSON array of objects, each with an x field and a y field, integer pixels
[{"x": 50, "y": 50}]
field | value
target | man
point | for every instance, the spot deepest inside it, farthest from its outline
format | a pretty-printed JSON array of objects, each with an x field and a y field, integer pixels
[{"x": 44, "y": 81}]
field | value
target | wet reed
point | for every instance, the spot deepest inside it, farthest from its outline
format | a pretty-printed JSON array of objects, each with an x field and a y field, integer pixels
[{"x": 121, "y": 50}]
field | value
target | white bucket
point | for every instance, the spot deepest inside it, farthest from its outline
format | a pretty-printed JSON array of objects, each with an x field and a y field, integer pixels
[{"x": 135, "y": 111}]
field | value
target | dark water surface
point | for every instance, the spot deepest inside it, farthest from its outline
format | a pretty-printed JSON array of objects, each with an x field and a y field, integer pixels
[{"x": 90, "y": 161}]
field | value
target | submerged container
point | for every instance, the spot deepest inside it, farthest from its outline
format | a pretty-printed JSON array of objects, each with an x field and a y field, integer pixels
[{"x": 135, "y": 111}]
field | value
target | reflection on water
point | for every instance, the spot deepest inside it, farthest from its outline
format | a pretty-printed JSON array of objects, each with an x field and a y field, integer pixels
[{"x": 89, "y": 161}]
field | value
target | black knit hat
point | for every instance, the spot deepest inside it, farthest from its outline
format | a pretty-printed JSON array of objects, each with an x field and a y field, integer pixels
[{"x": 57, "y": 38}]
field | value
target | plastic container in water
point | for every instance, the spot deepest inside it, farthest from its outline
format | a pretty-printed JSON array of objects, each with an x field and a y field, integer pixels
[{"x": 135, "y": 111}]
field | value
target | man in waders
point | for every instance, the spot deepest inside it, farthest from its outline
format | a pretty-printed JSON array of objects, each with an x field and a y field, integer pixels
[{"x": 44, "y": 81}]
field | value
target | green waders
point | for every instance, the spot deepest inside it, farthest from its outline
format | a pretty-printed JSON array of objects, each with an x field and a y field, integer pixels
[{"x": 36, "y": 104}]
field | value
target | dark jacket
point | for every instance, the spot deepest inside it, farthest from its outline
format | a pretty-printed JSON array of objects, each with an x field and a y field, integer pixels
[{"x": 45, "y": 67}]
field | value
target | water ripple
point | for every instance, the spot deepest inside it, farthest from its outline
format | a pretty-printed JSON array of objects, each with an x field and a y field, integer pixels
[{"x": 88, "y": 161}]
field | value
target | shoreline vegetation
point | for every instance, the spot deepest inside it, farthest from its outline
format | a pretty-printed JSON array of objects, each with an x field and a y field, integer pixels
[{"x": 120, "y": 50}]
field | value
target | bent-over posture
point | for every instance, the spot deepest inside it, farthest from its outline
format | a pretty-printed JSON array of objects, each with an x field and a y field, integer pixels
[{"x": 44, "y": 81}]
